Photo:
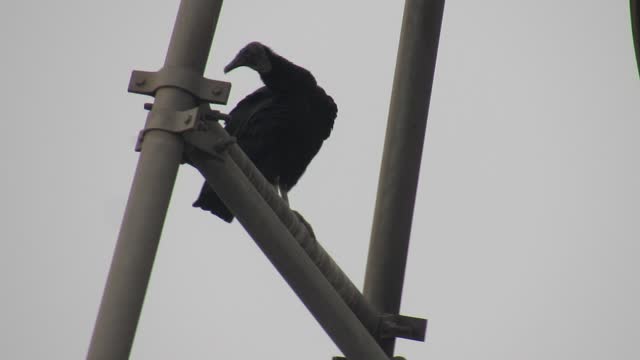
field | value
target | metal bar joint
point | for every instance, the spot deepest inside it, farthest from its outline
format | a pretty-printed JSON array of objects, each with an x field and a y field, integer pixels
[
  {"x": 179, "y": 122},
  {"x": 206, "y": 90},
  {"x": 400, "y": 326},
  {"x": 207, "y": 137}
]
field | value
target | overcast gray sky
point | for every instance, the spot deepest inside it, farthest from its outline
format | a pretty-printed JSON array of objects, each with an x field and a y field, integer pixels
[{"x": 526, "y": 235}]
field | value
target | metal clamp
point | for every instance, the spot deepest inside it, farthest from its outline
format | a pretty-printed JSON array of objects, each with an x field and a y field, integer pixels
[
  {"x": 178, "y": 122},
  {"x": 400, "y": 326},
  {"x": 210, "y": 137},
  {"x": 206, "y": 90}
]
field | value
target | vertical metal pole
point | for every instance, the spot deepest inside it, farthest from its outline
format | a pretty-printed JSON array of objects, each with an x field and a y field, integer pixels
[
  {"x": 415, "y": 66},
  {"x": 634, "y": 9},
  {"x": 151, "y": 191}
]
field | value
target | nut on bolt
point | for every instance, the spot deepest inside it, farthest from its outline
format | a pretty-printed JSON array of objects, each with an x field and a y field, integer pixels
[{"x": 216, "y": 91}]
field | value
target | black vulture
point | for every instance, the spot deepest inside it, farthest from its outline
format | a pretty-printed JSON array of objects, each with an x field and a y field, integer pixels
[{"x": 280, "y": 126}]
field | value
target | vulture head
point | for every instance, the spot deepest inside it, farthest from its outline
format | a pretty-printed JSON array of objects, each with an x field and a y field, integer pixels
[{"x": 254, "y": 55}]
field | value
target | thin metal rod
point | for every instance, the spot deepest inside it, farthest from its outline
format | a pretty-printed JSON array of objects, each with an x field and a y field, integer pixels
[
  {"x": 151, "y": 191},
  {"x": 288, "y": 257},
  {"x": 415, "y": 66}
]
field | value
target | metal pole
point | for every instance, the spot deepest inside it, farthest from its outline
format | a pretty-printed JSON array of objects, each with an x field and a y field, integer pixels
[
  {"x": 151, "y": 191},
  {"x": 634, "y": 9},
  {"x": 303, "y": 234},
  {"x": 279, "y": 245},
  {"x": 415, "y": 66}
]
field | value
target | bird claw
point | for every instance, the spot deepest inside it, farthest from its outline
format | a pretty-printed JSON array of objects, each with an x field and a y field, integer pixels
[{"x": 215, "y": 115}]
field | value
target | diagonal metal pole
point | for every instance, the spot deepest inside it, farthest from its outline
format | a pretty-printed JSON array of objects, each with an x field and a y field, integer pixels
[
  {"x": 287, "y": 256},
  {"x": 415, "y": 66},
  {"x": 379, "y": 325},
  {"x": 304, "y": 236},
  {"x": 151, "y": 190}
]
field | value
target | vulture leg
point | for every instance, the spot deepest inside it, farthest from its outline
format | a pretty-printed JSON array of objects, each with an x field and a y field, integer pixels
[{"x": 282, "y": 191}]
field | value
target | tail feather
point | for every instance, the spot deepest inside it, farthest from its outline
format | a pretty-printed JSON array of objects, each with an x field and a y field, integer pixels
[{"x": 208, "y": 200}]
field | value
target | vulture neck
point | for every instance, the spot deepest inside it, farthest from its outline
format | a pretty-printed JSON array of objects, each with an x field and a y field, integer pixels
[{"x": 287, "y": 77}]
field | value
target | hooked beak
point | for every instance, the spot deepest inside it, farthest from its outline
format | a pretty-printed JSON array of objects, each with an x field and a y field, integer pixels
[{"x": 237, "y": 62}]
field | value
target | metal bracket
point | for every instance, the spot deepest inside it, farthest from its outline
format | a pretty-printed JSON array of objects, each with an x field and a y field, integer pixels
[
  {"x": 147, "y": 83},
  {"x": 400, "y": 326},
  {"x": 178, "y": 122},
  {"x": 210, "y": 137}
]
